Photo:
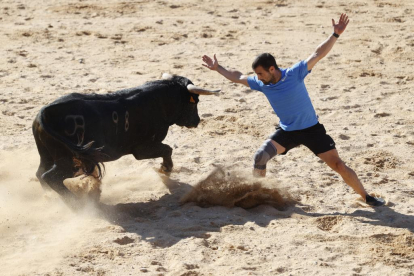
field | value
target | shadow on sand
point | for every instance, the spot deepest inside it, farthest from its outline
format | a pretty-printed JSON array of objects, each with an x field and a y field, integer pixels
[
  {"x": 384, "y": 216},
  {"x": 166, "y": 221}
]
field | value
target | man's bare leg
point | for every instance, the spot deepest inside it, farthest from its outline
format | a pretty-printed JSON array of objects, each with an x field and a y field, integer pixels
[{"x": 332, "y": 159}]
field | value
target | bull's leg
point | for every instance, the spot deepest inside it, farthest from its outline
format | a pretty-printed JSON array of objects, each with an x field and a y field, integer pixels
[
  {"x": 46, "y": 162},
  {"x": 55, "y": 176},
  {"x": 44, "y": 166},
  {"x": 55, "y": 165},
  {"x": 153, "y": 151}
]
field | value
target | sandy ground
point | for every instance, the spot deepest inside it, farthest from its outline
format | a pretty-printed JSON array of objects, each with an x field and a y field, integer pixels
[{"x": 362, "y": 91}]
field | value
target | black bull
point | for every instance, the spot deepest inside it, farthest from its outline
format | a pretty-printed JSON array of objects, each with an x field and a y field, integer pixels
[{"x": 77, "y": 133}]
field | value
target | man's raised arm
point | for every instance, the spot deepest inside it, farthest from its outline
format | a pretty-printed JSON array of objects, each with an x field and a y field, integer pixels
[
  {"x": 234, "y": 76},
  {"x": 324, "y": 48}
]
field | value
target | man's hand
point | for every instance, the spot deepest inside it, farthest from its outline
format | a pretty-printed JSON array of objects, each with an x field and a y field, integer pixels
[
  {"x": 341, "y": 26},
  {"x": 234, "y": 76},
  {"x": 323, "y": 49},
  {"x": 209, "y": 63}
]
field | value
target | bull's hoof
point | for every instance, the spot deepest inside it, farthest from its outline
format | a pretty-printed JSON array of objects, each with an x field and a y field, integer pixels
[{"x": 164, "y": 170}]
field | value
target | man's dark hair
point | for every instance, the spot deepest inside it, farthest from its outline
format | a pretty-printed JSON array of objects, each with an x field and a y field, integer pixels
[{"x": 265, "y": 60}]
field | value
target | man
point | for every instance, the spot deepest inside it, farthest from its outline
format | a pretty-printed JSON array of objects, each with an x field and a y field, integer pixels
[{"x": 285, "y": 89}]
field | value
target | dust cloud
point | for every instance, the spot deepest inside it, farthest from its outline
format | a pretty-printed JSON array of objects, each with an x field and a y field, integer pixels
[
  {"x": 36, "y": 228},
  {"x": 38, "y": 231},
  {"x": 237, "y": 189}
]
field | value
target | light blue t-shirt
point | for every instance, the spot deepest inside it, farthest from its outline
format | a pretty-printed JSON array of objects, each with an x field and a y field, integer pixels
[{"x": 289, "y": 98}]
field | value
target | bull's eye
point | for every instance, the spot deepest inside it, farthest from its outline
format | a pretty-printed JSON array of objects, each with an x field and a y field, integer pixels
[{"x": 192, "y": 99}]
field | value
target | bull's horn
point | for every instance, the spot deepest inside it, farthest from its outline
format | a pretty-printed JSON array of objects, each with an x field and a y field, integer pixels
[
  {"x": 167, "y": 76},
  {"x": 200, "y": 91}
]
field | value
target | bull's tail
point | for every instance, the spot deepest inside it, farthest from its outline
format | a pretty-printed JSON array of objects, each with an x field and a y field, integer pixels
[{"x": 85, "y": 157}]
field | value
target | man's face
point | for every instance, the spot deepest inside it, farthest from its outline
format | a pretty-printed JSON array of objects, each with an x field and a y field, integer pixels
[{"x": 265, "y": 76}]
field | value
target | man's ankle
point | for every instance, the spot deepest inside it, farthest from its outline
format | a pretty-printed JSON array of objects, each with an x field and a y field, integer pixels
[{"x": 259, "y": 173}]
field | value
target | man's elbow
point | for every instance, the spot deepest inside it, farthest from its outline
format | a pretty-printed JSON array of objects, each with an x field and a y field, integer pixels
[
  {"x": 243, "y": 80},
  {"x": 317, "y": 56}
]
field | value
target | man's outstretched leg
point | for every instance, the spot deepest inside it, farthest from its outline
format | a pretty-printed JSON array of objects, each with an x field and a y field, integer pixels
[{"x": 332, "y": 159}]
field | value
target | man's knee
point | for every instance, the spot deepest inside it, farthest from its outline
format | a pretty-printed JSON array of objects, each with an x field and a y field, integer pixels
[
  {"x": 339, "y": 166},
  {"x": 266, "y": 152}
]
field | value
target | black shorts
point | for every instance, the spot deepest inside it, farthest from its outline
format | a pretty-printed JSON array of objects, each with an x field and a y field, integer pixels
[{"x": 314, "y": 138}]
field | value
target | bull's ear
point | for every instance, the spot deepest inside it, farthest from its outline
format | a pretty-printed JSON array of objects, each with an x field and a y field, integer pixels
[
  {"x": 167, "y": 76},
  {"x": 192, "y": 100}
]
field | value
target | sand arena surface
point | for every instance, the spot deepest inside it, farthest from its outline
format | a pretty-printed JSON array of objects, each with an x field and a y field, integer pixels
[{"x": 362, "y": 92}]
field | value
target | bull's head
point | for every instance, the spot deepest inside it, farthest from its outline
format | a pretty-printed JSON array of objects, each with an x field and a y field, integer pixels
[{"x": 190, "y": 116}]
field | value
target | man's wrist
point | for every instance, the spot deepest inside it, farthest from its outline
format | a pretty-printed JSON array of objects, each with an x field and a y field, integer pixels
[
  {"x": 219, "y": 68},
  {"x": 335, "y": 35}
]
